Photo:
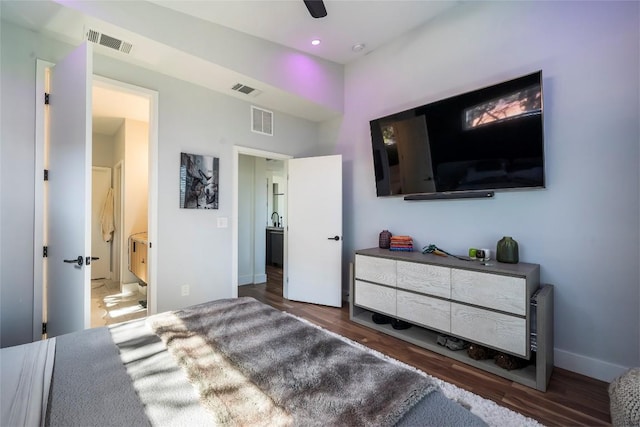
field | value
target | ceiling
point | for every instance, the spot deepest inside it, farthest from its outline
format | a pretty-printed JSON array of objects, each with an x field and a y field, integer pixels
[
  {"x": 111, "y": 107},
  {"x": 284, "y": 22},
  {"x": 287, "y": 22}
]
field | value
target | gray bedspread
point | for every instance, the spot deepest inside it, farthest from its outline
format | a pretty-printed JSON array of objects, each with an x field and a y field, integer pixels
[
  {"x": 90, "y": 386},
  {"x": 124, "y": 376}
]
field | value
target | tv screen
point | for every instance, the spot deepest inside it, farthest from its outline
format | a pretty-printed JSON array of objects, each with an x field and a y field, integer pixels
[{"x": 487, "y": 139}]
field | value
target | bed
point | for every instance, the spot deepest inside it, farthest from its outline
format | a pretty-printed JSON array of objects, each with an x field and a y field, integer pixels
[{"x": 232, "y": 362}]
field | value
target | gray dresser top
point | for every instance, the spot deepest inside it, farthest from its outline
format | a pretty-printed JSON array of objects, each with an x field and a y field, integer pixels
[{"x": 492, "y": 266}]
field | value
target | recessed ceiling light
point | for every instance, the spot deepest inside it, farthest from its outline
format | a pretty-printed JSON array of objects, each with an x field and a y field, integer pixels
[
  {"x": 315, "y": 42},
  {"x": 358, "y": 47}
]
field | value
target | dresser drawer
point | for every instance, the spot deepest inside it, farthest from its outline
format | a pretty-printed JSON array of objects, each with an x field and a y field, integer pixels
[
  {"x": 377, "y": 298},
  {"x": 423, "y": 310},
  {"x": 502, "y": 331},
  {"x": 424, "y": 278},
  {"x": 505, "y": 293},
  {"x": 378, "y": 270}
]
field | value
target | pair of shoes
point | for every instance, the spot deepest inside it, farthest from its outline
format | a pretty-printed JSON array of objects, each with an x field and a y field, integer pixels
[
  {"x": 456, "y": 344},
  {"x": 380, "y": 319},
  {"x": 452, "y": 343},
  {"x": 400, "y": 324},
  {"x": 442, "y": 339}
]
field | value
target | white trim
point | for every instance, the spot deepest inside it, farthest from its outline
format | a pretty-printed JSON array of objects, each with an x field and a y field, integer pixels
[
  {"x": 118, "y": 170},
  {"x": 237, "y": 150},
  {"x": 109, "y": 170},
  {"x": 39, "y": 315},
  {"x": 594, "y": 368}
]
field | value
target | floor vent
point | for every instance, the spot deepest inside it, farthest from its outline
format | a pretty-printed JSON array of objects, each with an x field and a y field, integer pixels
[
  {"x": 261, "y": 121},
  {"x": 108, "y": 41},
  {"x": 247, "y": 90}
]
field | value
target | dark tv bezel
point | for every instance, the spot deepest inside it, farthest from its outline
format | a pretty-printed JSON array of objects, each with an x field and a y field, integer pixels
[{"x": 466, "y": 193}]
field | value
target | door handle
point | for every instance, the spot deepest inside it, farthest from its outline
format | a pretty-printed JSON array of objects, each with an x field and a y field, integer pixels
[
  {"x": 78, "y": 260},
  {"x": 336, "y": 238},
  {"x": 91, "y": 258}
]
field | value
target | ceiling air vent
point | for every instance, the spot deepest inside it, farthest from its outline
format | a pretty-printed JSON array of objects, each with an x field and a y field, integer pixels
[
  {"x": 247, "y": 90},
  {"x": 261, "y": 121},
  {"x": 108, "y": 41}
]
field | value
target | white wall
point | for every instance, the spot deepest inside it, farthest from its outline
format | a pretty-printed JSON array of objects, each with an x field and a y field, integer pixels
[
  {"x": 584, "y": 228},
  {"x": 133, "y": 139},
  {"x": 102, "y": 150},
  {"x": 252, "y": 200},
  {"x": 258, "y": 225},
  {"x": 246, "y": 211},
  {"x": 191, "y": 250}
]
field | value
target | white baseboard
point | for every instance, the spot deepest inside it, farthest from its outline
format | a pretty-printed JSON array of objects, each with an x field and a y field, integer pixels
[
  {"x": 245, "y": 280},
  {"x": 594, "y": 368},
  {"x": 260, "y": 278}
]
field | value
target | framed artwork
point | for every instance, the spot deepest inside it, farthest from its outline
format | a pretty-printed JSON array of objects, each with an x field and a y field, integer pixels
[{"x": 198, "y": 181}]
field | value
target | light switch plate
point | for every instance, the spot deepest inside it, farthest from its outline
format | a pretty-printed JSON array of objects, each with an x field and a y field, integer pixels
[{"x": 223, "y": 222}]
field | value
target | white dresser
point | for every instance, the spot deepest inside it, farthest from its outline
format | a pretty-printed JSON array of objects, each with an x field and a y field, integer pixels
[{"x": 498, "y": 305}]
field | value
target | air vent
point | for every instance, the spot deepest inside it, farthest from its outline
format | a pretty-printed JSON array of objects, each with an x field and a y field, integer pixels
[
  {"x": 261, "y": 121},
  {"x": 108, "y": 41},
  {"x": 247, "y": 90}
]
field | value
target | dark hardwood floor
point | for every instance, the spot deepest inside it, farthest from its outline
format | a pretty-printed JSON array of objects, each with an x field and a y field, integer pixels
[{"x": 571, "y": 399}]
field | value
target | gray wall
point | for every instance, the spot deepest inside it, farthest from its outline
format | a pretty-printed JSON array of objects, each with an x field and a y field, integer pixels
[
  {"x": 191, "y": 250},
  {"x": 584, "y": 228},
  {"x": 252, "y": 201}
]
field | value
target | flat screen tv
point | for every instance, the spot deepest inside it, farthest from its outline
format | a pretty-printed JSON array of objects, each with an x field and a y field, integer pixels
[{"x": 466, "y": 145}]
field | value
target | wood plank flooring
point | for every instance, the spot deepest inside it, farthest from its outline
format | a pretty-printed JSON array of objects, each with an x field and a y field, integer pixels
[{"x": 571, "y": 399}]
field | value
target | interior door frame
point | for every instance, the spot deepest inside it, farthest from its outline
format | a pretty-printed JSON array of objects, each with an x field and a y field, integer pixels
[
  {"x": 94, "y": 170},
  {"x": 237, "y": 151},
  {"x": 118, "y": 174},
  {"x": 40, "y": 238}
]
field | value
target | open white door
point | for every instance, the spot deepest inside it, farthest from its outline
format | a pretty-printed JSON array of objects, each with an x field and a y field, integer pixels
[
  {"x": 314, "y": 235},
  {"x": 69, "y": 187}
]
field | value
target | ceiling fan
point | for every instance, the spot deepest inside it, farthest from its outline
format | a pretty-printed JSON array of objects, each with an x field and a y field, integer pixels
[{"x": 316, "y": 8}]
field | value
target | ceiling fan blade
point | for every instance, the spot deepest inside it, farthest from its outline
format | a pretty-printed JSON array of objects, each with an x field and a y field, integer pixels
[{"x": 316, "y": 8}]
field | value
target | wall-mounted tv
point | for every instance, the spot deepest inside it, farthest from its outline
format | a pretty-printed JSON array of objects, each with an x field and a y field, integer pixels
[{"x": 484, "y": 140}]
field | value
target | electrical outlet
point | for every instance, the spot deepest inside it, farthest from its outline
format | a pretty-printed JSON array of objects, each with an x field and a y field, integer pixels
[{"x": 184, "y": 290}]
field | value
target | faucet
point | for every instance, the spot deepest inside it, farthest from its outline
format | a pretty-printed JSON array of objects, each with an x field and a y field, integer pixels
[{"x": 276, "y": 223}]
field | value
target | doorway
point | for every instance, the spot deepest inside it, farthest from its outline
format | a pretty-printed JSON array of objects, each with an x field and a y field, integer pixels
[
  {"x": 312, "y": 268},
  {"x": 120, "y": 141},
  {"x": 253, "y": 209},
  {"x": 41, "y": 313}
]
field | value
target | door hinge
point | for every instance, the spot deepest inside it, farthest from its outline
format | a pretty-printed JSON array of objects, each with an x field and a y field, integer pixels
[
  {"x": 149, "y": 245},
  {"x": 45, "y": 251},
  {"x": 44, "y": 328},
  {"x": 46, "y": 99},
  {"x": 46, "y": 174}
]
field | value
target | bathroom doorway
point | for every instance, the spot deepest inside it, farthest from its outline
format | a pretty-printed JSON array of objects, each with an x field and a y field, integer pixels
[{"x": 120, "y": 205}]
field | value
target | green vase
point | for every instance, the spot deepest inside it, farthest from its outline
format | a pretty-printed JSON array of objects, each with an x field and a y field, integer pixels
[{"x": 507, "y": 250}]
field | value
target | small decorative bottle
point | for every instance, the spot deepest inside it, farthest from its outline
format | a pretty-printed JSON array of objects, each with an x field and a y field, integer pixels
[
  {"x": 507, "y": 250},
  {"x": 385, "y": 239}
]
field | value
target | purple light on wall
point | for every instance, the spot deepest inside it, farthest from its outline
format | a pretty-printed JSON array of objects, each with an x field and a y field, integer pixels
[{"x": 307, "y": 77}]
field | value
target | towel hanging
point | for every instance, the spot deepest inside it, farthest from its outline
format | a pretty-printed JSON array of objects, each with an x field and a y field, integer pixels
[{"x": 106, "y": 217}]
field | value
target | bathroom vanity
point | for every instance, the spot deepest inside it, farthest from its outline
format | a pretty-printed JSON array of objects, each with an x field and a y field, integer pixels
[
  {"x": 138, "y": 255},
  {"x": 275, "y": 246}
]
